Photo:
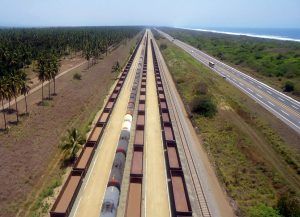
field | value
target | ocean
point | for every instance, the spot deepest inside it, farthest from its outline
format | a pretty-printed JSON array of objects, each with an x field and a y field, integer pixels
[{"x": 287, "y": 34}]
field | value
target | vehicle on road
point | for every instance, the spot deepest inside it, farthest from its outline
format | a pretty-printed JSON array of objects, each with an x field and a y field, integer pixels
[{"x": 211, "y": 64}]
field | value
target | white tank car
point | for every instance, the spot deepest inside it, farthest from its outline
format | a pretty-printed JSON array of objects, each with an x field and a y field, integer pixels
[
  {"x": 110, "y": 202},
  {"x": 112, "y": 193}
]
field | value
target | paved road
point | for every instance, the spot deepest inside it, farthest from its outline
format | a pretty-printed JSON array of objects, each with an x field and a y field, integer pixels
[{"x": 282, "y": 106}]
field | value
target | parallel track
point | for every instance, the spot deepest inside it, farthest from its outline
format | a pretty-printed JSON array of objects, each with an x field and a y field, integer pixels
[{"x": 185, "y": 141}]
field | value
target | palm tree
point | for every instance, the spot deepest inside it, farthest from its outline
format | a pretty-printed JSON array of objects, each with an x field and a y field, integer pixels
[
  {"x": 25, "y": 88},
  {"x": 48, "y": 76},
  {"x": 54, "y": 69},
  {"x": 15, "y": 84},
  {"x": 72, "y": 144},
  {"x": 42, "y": 73},
  {"x": 2, "y": 97}
]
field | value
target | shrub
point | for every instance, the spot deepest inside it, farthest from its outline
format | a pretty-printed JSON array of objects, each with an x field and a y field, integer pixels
[
  {"x": 289, "y": 86},
  {"x": 203, "y": 89},
  {"x": 71, "y": 145},
  {"x": 204, "y": 105},
  {"x": 289, "y": 205},
  {"x": 116, "y": 67},
  {"x": 262, "y": 210},
  {"x": 77, "y": 76},
  {"x": 163, "y": 46}
]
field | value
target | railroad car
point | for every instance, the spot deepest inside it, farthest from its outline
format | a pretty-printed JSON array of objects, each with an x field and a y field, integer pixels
[{"x": 110, "y": 202}]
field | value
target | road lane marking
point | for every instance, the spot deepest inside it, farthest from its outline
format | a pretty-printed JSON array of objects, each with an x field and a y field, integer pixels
[
  {"x": 285, "y": 112},
  {"x": 250, "y": 89},
  {"x": 233, "y": 70},
  {"x": 271, "y": 103},
  {"x": 269, "y": 92},
  {"x": 241, "y": 84},
  {"x": 295, "y": 107},
  {"x": 281, "y": 99},
  {"x": 259, "y": 96}
]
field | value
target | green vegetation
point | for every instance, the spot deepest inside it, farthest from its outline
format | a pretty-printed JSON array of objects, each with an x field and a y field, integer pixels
[
  {"x": 262, "y": 210},
  {"x": 257, "y": 168},
  {"x": 289, "y": 86},
  {"x": 10, "y": 87},
  {"x": 163, "y": 46},
  {"x": 20, "y": 48},
  {"x": 71, "y": 145},
  {"x": 48, "y": 67},
  {"x": 77, "y": 76},
  {"x": 203, "y": 105},
  {"x": 271, "y": 60},
  {"x": 41, "y": 207},
  {"x": 116, "y": 67}
]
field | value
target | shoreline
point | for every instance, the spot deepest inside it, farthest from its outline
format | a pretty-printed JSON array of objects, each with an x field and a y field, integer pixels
[{"x": 274, "y": 37}]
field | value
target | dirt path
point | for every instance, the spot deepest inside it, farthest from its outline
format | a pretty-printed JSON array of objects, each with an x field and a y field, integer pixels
[
  {"x": 157, "y": 199},
  {"x": 67, "y": 65},
  {"x": 29, "y": 147}
]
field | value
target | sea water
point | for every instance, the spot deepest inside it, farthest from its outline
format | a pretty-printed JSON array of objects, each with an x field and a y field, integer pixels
[{"x": 288, "y": 34}]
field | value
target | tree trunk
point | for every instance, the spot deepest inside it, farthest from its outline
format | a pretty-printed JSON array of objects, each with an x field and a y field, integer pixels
[
  {"x": 54, "y": 86},
  {"x": 4, "y": 117},
  {"x": 42, "y": 91},
  {"x": 17, "y": 112},
  {"x": 26, "y": 103},
  {"x": 49, "y": 89}
]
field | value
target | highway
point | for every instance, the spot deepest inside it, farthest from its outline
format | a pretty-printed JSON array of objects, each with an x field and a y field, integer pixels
[{"x": 282, "y": 106}]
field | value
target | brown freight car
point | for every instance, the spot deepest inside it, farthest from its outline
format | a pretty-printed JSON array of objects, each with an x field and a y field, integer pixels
[{"x": 66, "y": 198}]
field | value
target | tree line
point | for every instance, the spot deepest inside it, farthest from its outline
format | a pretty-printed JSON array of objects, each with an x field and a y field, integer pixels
[{"x": 21, "y": 47}]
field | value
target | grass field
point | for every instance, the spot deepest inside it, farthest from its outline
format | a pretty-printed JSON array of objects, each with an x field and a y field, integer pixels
[
  {"x": 272, "y": 61},
  {"x": 258, "y": 167}
]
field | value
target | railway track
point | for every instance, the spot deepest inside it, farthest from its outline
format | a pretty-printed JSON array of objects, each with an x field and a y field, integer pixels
[
  {"x": 195, "y": 176},
  {"x": 68, "y": 194},
  {"x": 178, "y": 199},
  {"x": 178, "y": 194},
  {"x": 135, "y": 189}
]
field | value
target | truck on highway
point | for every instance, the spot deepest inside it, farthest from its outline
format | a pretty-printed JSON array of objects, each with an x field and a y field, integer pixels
[{"x": 211, "y": 64}]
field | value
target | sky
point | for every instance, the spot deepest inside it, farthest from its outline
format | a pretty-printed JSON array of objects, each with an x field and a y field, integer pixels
[{"x": 175, "y": 13}]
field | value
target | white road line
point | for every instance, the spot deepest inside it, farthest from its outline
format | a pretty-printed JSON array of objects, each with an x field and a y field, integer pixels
[
  {"x": 259, "y": 96},
  {"x": 281, "y": 99},
  {"x": 269, "y": 92},
  {"x": 285, "y": 113},
  {"x": 77, "y": 207},
  {"x": 251, "y": 82},
  {"x": 295, "y": 107},
  {"x": 241, "y": 84},
  {"x": 250, "y": 90},
  {"x": 271, "y": 103},
  {"x": 233, "y": 79},
  {"x": 259, "y": 87}
]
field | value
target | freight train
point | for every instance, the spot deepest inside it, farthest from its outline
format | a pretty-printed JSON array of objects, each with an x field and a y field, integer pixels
[{"x": 112, "y": 193}]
